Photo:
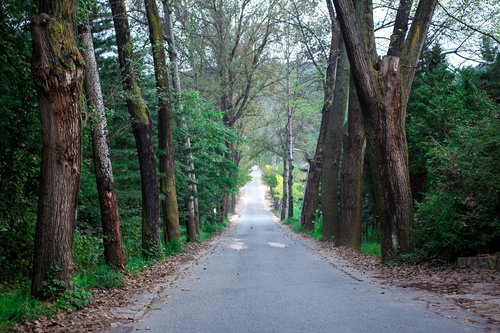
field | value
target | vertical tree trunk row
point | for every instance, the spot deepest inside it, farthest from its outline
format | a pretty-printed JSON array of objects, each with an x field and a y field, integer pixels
[
  {"x": 311, "y": 192},
  {"x": 191, "y": 201},
  {"x": 142, "y": 129},
  {"x": 169, "y": 209}
]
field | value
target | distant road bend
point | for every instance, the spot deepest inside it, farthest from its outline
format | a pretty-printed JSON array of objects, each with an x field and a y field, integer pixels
[{"x": 259, "y": 280}]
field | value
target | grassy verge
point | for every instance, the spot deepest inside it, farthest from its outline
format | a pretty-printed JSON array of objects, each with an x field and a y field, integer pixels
[
  {"x": 371, "y": 248},
  {"x": 16, "y": 303}
]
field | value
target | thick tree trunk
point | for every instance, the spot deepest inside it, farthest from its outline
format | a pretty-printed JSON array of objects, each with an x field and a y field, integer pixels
[
  {"x": 352, "y": 175},
  {"x": 388, "y": 155},
  {"x": 57, "y": 73},
  {"x": 311, "y": 192},
  {"x": 383, "y": 91},
  {"x": 110, "y": 214},
  {"x": 284, "y": 199},
  {"x": 142, "y": 129},
  {"x": 333, "y": 149},
  {"x": 169, "y": 208},
  {"x": 191, "y": 201}
]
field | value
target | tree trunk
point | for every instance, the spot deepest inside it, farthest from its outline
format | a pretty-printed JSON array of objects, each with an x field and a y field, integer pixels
[
  {"x": 110, "y": 214},
  {"x": 311, "y": 192},
  {"x": 284, "y": 200},
  {"x": 388, "y": 154},
  {"x": 290, "y": 160},
  {"x": 169, "y": 209},
  {"x": 383, "y": 91},
  {"x": 333, "y": 149},
  {"x": 142, "y": 128},
  {"x": 191, "y": 201},
  {"x": 352, "y": 175},
  {"x": 57, "y": 68}
]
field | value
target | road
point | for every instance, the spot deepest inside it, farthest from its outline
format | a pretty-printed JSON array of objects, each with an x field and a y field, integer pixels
[{"x": 260, "y": 280}]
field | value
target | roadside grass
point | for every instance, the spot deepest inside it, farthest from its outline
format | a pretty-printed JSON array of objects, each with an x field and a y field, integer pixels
[
  {"x": 372, "y": 248},
  {"x": 16, "y": 303}
]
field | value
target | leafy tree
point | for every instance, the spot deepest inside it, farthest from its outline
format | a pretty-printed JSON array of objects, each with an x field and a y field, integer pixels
[{"x": 20, "y": 136}]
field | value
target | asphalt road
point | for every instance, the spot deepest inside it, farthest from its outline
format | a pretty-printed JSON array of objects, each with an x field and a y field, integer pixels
[{"x": 259, "y": 280}]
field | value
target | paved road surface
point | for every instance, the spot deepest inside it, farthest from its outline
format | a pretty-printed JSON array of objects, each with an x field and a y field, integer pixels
[{"x": 259, "y": 280}]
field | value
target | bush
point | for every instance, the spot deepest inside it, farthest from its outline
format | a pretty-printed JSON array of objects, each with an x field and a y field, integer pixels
[{"x": 460, "y": 215}]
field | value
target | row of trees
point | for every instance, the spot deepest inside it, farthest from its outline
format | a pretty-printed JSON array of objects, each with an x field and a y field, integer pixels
[
  {"x": 365, "y": 106},
  {"x": 79, "y": 86},
  {"x": 219, "y": 71}
]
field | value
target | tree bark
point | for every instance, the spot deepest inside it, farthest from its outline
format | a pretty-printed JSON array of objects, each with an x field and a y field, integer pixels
[
  {"x": 191, "y": 201},
  {"x": 284, "y": 200},
  {"x": 311, "y": 192},
  {"x": 110, "y": 214},
  {"x": 333, "y": 149},
  {"x": 290, "y": 158},
  {"x": 169, "y": 208},
  {"x": 383, "y": 91},
  {"x": 352, "y": 175},
  {"x": 57, "y": 68},
  {"x": 142, "y": 129}
]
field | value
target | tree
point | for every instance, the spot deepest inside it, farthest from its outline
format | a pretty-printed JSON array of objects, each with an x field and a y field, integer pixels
[
  {"x": 383, "y": 87},
  {"x": 57, "y": 73},
  {"x": 169, "y": 207},
  {"x": 333, "y": 150},
  {"x": 110, "y": 214},
  {"x": 191, "y": 200},
  {"x": 142, "y": 129},
  {"x": 311, "y": 192},
  {"x": 352, "y": 175}
]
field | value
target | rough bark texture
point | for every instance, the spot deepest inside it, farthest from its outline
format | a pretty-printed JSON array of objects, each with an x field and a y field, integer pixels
[
  {"x": 383, "y": 92},
  {"x": 110, "y": 214},
  {"x": 352, "y": 175},
  {"x": 191, "y": 201},
  {"x": 142, "y": 128},
  {"x": 333, "y": 149},
  {"x": 169, "y": 209},
  {"x": 57, "y": 68},
  {"x": 311, "y": 192}
]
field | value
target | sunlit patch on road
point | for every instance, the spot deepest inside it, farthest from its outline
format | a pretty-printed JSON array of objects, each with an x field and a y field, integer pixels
[
  {"x": 238, "y": 246},
  {"x": 276, "y": 244}
]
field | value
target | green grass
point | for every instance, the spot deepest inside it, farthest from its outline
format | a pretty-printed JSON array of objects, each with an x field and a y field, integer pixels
[
  {"x": 16, "y": 304},
  {"x": 207, "y": 229},
  {"x": 371, "y": 248}
]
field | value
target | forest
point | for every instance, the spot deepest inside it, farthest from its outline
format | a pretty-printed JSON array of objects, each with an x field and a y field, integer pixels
[{"x": 128, "y": 128}]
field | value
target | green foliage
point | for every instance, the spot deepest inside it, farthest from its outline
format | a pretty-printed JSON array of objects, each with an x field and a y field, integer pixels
[
  {"x": 101, "y": 277},
  {"x": 73, "y": 300},
  {"x": 52, "y": 286},
  {"x": 17, "y": 304},
  {"x": 460, "y": 215},
  {"x": 20, "y": 139},
  {"x": 211, "y": 147},
  {"x": 87, "y": 251},
  {"x": 208, "y": 229},
  {"x": 317, "y": 232},
  {"x": 371, "y": 248},
  {"x": 271, "y": 179},
  {"x": 453, "y": 138}
]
